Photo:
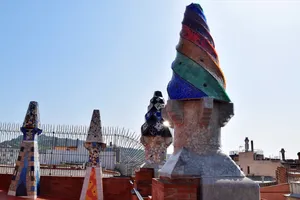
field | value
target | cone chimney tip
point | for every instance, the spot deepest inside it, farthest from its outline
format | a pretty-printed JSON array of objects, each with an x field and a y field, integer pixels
[
  {"x": 32, "y": 117},
  {"x": 158, "y": 94},
  {"x": 95, "y": 129}
]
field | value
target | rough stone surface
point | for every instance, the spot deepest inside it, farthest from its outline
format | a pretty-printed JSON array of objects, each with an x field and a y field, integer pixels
[
  {"x": 155, "y": 149},
  {"x": 197, "y": 123},
  {"x": 197, "y": 150},
  {"x": 229, "y": 188},
  {"x": 186, "y": 163},
  {"x": 197, "y": 142}
]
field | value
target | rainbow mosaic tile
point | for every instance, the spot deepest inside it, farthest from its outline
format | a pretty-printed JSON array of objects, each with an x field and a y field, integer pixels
[{"x": 196, "y": 68}]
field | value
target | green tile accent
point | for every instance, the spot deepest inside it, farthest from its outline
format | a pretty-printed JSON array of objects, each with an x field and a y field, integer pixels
[{"x": 199, "y": 77}]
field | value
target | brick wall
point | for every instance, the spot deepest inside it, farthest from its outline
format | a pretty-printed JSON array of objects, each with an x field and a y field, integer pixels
[
  {"x": 117, "y": 188},
  {"x": 166, "y": 189},
  {"x": 65, "y": 188},
  {"x": 281, "y": 175},
  {"x": 143, "y": 181},
  {"x": 5, "y": 181},
  {"x": 69, "y": 188}
]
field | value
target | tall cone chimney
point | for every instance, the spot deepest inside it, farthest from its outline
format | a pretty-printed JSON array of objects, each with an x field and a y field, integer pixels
[
  {"x": 246, "y": 144},
  {"x": 282, "y": 151},
  {"x": 252, "y": 146}
]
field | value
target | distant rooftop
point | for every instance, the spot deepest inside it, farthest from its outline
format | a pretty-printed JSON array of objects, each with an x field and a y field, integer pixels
[{"x": 236, "y": 152}]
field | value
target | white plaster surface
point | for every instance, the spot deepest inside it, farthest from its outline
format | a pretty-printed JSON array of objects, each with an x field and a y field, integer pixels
[{"x": 85, "y": 183}]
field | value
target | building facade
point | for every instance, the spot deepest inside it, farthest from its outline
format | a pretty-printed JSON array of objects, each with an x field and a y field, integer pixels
[
  {"x": 253, "y": 163},
  {"x": 8, "y": 155}
]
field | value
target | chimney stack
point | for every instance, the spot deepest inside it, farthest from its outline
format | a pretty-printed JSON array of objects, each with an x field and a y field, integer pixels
[
  {"x": 282, "y": 151},
  {"x": 298, "y": 154},
  {"x": 252, "y": 148},
  {"x": 246, "y": 144}
]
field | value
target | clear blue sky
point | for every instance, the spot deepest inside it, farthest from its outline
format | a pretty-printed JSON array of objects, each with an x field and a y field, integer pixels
[{"x": 75, "y": 56}]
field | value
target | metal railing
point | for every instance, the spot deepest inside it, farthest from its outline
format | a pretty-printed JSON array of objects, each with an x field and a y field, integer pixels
[
  {"x": 62, "y": 152},
  {"x": 136, "y": 192},
  {"x": 60, "y": 172}
]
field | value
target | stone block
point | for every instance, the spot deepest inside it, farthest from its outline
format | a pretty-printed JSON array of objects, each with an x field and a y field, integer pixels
[
  {"x": 230, "y": 188},
  {"x": 186, "y": 164},
  {"x": 175, "y": 189}
]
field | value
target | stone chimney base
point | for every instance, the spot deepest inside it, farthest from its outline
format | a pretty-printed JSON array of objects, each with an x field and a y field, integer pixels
[
  {"x": 231, "y": 188},
  {"x": 187, "y": 175}
]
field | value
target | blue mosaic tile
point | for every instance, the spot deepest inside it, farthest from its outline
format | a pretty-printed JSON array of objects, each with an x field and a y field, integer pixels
[
  {"x": 21, "y": 186},
  {"x": 94, "y": 144},
  {"x": 181, "y": 89},
  {"x": 197, "y": 9},
  {"x": 37, "y": 177},
  {"x": 21, "y": 189},
  {"x": 194, "y": 16}
]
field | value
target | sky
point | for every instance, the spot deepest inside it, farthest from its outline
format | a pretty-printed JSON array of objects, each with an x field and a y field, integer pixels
[{"x": 75, "y": 56}]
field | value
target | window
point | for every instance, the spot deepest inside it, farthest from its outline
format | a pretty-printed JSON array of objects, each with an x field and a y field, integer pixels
[
  {"x": 248, "y": 169},
  {"x": 241, "y": 168}
]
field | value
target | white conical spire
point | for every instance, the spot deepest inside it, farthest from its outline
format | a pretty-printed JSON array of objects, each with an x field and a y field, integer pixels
[{"x": 95, "y": 129}]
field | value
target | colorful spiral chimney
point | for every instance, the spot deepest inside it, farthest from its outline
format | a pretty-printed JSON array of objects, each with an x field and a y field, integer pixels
[{"x": 196, "y": 70}]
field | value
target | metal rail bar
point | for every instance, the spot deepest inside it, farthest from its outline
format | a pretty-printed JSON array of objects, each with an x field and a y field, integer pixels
[
  {"x": 136, "y": 192},
  {"x": 139, "y": 196},
  {"x": 63, "y": 146}
]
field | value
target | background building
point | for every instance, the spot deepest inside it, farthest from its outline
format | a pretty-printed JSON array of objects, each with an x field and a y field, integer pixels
[
  {"x": 78, "y": 155},
  {"x": 63, "y": 146},
  {"x": 8, "y": 155},
  {"x": 253, "y": 162}
]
